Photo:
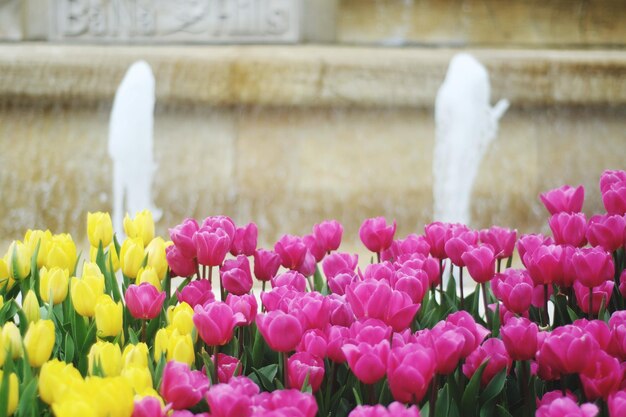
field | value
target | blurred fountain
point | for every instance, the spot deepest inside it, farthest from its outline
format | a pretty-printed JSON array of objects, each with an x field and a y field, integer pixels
[
  {"x": 131, "y": 144},
  {"x": 465, "y": 126}
]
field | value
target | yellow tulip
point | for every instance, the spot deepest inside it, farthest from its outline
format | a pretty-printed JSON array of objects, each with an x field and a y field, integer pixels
[
  {"x": 135, "y": 356},
  {"x": 17, "y": 260},
  {"x": 160, "y": 344},
  {"x": 181, "y": 318},
  {"x": 30, "y": 306},
  {"x": 5, "y": 279},
  {"x": 114, "y": 396},
  {"x": 138, "y": 378},
  {"x": 86, "y": 291},
  {"x": 180, "y": 348},
  {"x": 131, "y": 257},
  {"x": 55, "y": 378},
  {"x": 91, "y": 269},
  {"x": 13, "y": 392},
  {"x": 107, "y": 356},
  {"x": 39, "y": 342},
  {"x": 142, "y": 226},
  {"x": 149, "y": 275},
  {"x": 41, "y": 238},
  {"x": 62, "y": 253},
  {"x": 53, "y": 282},
  {"x": 156, "y": 256},
  {"x": 12, "y": 339},
  {"x": 108, "y": 316},
  {"x": 78, "y": 401},
  {"x": 99, "y": 229},
  {"x": 150, "y": 392}
]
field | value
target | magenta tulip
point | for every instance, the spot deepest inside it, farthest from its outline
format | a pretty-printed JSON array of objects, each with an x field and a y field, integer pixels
[
  {"x": 266, "y": 264},
  {"x": 369, "y": 299},
  {"x": 315, "y": 342},
  {"x": 528, "y": 244},
  {"x": 480, "y": 262},
  {"x": 314, "y": 247},
  {"x": 413, "y": 283},
  {"x": 514, "y": 288},
  {"x": 337, "y": 337},
  {"x": 236, "y": 276},
  {"x": 492, "y": 350},
  {"x": 592, "y": 266},
  {"x": 328, "y": 234},
  {"x": 567, "y": 350},
  {"x": 182, "y": 236},
  {"x": 610, "y": 177},
  {"x": 291, "y": 250},
  {"x": 245, "y": 304},
  {"x": 144, "y": 301},
  {"x": 312, "y": 309},
  {"x": 607, "y": 231},
  {"x": 401, "y": 310},
  {"x": 564, "y": 199},
  {"x": 614, "y": 198},
  {"x": 230, "y": 400},
  {"x": 376, "y": 235},
  {"x": 303, "y": 365},
  {"x": 519, "y": 336},
  {"x": 180, "y": 265},
  {"x": 502, "y": 240},
  {"x": 569, "y": 228},
  {"x": 198, "y": 292},
  {"x": 281, "y": 331},
  {"x": 447, "y": 344},
  {"x": 182, "y": 387},
  {"x": 244, "y": 240},
  {"x": 565, "y": 406},
  {"x": 148, "y": 407},
  {"x": 473, "y": 332},
  {"x": 227, "y": 367},
  {"x": 223, "y": 223},
  {"x": 437, "y": 234},
  {"x": 215, "y": 322},
  {"x": 286, "y": 403},
  {"x": 457, "y": 245},
  {"x": 403, "y": 249},
  {"x": 367, "y": 362},
  {"x": 545, "y": 264},
  {"x": 395, "y": 409},
  {"x": 596, "y": 328},
  {"x": 290, "y": 279},
  {"x": 211, "y": 246},
  {"x": 338, "y": 283},
  {"x": 602, "y": 376},
  {"x": 601, "y": 294},
  {"x": 339, "y": 263},
  {"x": 617, "y": 403},
  {"x": 410, "y": 370}
]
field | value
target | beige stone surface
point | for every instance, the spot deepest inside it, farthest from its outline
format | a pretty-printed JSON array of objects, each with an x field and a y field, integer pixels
[
  {"x": 307, "y": 75},
  {"x": 10, "y": 20},
  {"x": 534, "y": 23}
]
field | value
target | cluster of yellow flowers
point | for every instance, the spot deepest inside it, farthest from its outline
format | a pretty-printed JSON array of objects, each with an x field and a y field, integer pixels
[{"x": 93, "y": 371}]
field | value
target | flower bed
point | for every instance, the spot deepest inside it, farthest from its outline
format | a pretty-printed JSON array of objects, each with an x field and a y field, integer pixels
[{"x": 112, "y": 336}]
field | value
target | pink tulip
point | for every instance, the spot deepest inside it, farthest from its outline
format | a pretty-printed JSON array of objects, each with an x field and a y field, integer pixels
[
  {"x": 409, "y": 371},
  {"x": 480, "y": 262},
  {"x": 596, "y": 328},
  {"x": 564, "y": 199},
  {"x": 279, "y": 298},
  {"x": 496, "y": 355},
  {"x": 198, "y": 292},
  {"x": 182, "y": 387},
  {"x": 187, "y": 413},
  {"x": 180, "y": 265},
  {"x": 592, "y": 266},
  {"x": 336, "y": 336},
  {"x": 215, "y": 322},
  {"x": 281, "y": 331},
  {"x": 614, "y": 198},
  {"x": 223, "y": 223},
  {"x": 286, "y": 403},
  {"x": 314, "y": 247},
  {"x": 427, "y": 264},
  {"x": 437, "y": 234},
  {"x": 144, "y": 301},
  {"x": 473, "y": 332},
  {"x": 601, "y": 295},
  {"x": 376, "y": 235},
  {"x": 528, "y": 244},
  {"x": 315, "y": 342},
  {"x": 545, "y": 264},
  {"x": 569, "y": 228},
  {"x": 339, "y": 263},
  {"x": 236, "y": 276},
  {"x": 367, "y": 362},
  {"x": 340, "y": 312},
  {"x": 290, "y": 279},
  {"x": 291, "y": 250},
  {"x": 244, "y": 240},
  {"x": 550, "y": 396},
  {"x": 328, "y": 233},
  {"x": 395, "y": 409},
  {"x": 371, "y": 331},
  {"x": 519, "y": 336},
  {"x": 232, "y": 399},
  {"x": 607, "y": 231},
  {"x": 502, "y": 240},
  {"x": 565, "y": 406},
  {"x": 447, "y": 344},
  {"x": 182, "y": 236},
  {"x": 266, "y": 264},
  {"x": 610, "y": 177},
  {"x": 369, "y": 299},
  {"x": 227, "y": 367},
  {"x": 380, "y": 271},
  {"x": 245, "y": 304},
  {"x": 457, "y": 245},
  {"x": 401, "y": 310},
  {"x": 211, "y": 246},
  {"x": 403, "y": 249},
  {"x": 148, "y": 407},
  {"x": 602, "y": 376},
  {"x": 413, "y": 283},
  {"x": 307, "y": 267},
  {"x": 302, "y": 365},
  {"x": 514, "y": 288},
  {"x": 567, "y": 350},
  {"x": 617, "y": 403},
  {"x": 338, "y": 283}
]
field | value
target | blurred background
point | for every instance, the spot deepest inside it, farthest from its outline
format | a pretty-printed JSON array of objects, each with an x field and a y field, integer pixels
[{"x": 287, "y": 112}]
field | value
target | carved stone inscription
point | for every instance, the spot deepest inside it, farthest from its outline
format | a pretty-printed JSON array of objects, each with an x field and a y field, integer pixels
[{"x": 210, "y": 21}]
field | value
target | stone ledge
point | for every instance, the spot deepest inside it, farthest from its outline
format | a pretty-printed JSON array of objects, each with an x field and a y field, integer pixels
[{"x": 306, "y": 75}]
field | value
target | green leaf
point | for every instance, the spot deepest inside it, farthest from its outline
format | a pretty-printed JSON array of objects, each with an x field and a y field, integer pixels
[
  {"x": 495, "y": 326},
  {"x": 4, "y": 388},
  {"x": 502, "y": 412},
  {"x": 475, "y": 300},
  {"x": 357, "y": 396},
  {"x": 69, "y": 348},
  {"x": 158, "y": 372},
  {"x": 494, "y": 388},
  {"x": 443, "y": 402},
  {"x": 319, "y": 283},
  {"x": 28, "y": 399},
  {"x": 266, "y": 375},
  {"x": 469, "y": 405},
  {"x": 182, "y": 285},
  {"x": 258, "y": 349},
  {"x": 572, "y": 314},
  {"x": 306, "y": 387},
  {"x": 132, "y": 337}
]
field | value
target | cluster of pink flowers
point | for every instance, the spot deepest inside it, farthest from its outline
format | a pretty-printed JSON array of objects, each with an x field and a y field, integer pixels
[{"x": 393, "y": 321}]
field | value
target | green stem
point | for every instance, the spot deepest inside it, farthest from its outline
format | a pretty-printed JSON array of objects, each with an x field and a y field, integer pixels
[
  {"x": 485, "y": 303},
  {"x": 143, "y": 331},
  {"x": 433, "y": 396},
  {"x": 525, "y": 389},
  {"x": 215, "y": 365},
  {"x": 378, "y": 256},
  {"x": 546, "y": 316},
  {"x": 461, "y": 285},
  {"x": 285, "y": 370}
]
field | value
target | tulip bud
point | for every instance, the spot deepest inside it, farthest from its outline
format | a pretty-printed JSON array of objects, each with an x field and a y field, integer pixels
[
  {"x": 30, "y": 306},
  {"x": 18, "y": 260},
  {"x": 108, "y": 316},
  {"x": 303, "y": 365},
  {"x": 160, "y": 344},
  {"x": 99, "y": 229},
  {"x": 13, "y": 392},
  {"x": 39, "y": 342},
  {"x": 62, "y": 253},
  {"x": 53, "y": 283},
  {"x": 12, "y": 339},
  {"x": 180, "y": 348},
  {"x": 107, "y": 357},
  {"x": 181, "y": 318},
  {"x": 494, "y": 352},
  {"x": 135, "y": 356},
  {"x": 245, "y": 240},
  {"x": 182, "y": 387},
  {"x": 6, "y": 282},
  {"x": 236, "y": 276},
  {"x": 215, "y": 323},
  {"x": 144, "y": 301},
  {"x": 376, "y": 235},
  {"x": 149, "y": 275},
  {"x": 55, "y": 378},
  {"x": 156, "y": 256},
  {"x": 564, "y": 199},
  {"x": 85, "y": 293},
  {"x": 281, "y": 331},
  {"x": 142, "y": 226},
  {"x": 266, "y": 264},
  {"x": 140, "y": 379},
  {"x": 131, "y": 257},
  {"x": 34, "y": 238}
]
